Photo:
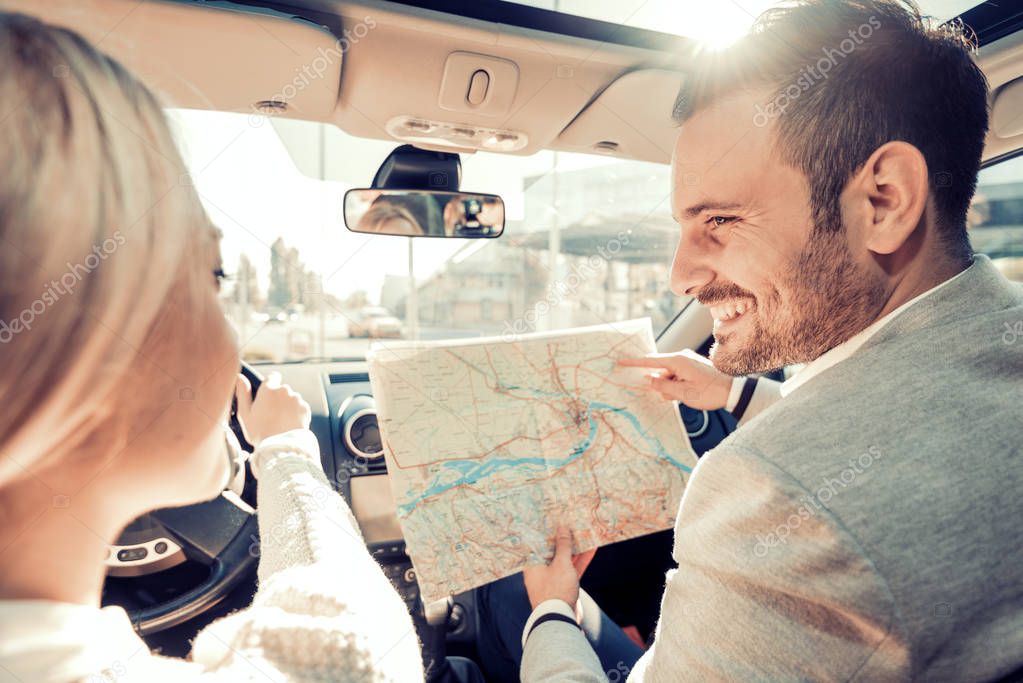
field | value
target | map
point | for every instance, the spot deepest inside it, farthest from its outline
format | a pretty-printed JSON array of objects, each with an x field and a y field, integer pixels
[{"x": 491, "y": 443}]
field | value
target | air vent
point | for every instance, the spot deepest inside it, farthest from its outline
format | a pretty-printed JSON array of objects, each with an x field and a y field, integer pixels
[
  {"x": 606, "y": 147},
  {"x": 349, "y": 377}
]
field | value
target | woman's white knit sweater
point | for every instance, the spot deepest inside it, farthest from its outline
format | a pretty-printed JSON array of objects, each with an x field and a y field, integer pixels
[{"x": 324, "y": 610}]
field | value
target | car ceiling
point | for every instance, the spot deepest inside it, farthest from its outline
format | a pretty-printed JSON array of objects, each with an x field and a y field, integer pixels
[{"x": 369, "y": 66}]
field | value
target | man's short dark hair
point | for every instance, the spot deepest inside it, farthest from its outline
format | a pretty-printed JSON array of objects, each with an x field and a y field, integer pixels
[{"x": 848, "y": 76}]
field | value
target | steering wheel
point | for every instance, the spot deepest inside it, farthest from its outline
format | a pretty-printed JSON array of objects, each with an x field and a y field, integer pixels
[{"x": 221, "y": 534}]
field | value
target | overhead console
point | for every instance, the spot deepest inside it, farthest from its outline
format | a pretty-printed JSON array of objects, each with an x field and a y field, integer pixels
[
  {"x": 473, "y": 84},
  {"x": 478, "y": 84},
  {"x": 461, "y": 83}
]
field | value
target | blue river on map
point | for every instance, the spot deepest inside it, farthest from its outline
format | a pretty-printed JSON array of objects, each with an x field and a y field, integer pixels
[{"x": 472, "y": 471}]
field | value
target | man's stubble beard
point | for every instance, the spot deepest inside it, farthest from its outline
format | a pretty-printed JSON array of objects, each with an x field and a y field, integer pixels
[{"x": 822, "y": 300}]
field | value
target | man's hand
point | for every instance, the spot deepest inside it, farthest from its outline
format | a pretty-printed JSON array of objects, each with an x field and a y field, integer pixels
[
  {"x": 685, "y": 376},
  {"x": 560, "y": 578}
]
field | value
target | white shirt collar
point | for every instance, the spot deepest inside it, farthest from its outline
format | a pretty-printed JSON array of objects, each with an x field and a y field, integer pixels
[
  {"x": 850, "y": 346},
  {"x": 48, "y": 641}
]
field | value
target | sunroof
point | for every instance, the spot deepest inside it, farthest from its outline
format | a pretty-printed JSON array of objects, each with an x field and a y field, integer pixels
[{"x": 716, "y": 22}]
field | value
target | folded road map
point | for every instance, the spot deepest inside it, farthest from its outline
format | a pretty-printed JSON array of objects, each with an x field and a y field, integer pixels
[{"x": 491, "y": 443}]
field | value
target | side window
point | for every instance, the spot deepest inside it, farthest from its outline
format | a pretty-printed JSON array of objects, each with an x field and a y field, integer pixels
[{"x": 995, "y": 221}]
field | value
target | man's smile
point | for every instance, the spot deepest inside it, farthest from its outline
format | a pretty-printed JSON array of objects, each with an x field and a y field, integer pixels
[{"x": 730, "y": 311}]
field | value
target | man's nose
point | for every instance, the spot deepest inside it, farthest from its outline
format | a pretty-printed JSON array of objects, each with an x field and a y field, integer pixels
[{"x": 690, "y": 270}]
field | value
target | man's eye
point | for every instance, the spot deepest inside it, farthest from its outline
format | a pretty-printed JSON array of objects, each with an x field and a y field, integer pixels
[
  {"x": 219, "y": 276},
  {"x": 718, "y": 221}
]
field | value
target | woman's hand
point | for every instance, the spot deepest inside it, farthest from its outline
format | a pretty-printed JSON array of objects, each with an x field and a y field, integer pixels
[
  {"x": 685, "y": 376},
  {"x": 277, "y": 408},
  {"x": 560, "y": 578}
]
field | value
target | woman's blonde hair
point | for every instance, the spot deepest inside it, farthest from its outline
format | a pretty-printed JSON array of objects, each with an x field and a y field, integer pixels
[{"x": 100, "y": 235}]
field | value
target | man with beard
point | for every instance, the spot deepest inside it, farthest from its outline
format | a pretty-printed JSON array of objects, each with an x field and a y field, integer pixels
[{"x": 866, "y": 526}]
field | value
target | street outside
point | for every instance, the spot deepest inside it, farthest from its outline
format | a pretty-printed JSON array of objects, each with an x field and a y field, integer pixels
[{"x": 297, "y": 338}]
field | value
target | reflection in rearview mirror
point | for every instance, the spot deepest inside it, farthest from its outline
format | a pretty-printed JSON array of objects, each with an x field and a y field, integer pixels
[{"x": 422, "y": 213}]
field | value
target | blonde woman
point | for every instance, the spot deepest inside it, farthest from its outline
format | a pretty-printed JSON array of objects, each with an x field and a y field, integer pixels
[
  {"x": 108, "y": 316},
  {"x": 388, "y": 218}
]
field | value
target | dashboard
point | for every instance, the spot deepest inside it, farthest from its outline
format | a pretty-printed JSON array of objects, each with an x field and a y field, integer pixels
[
  {"x": 345, "y": 424},
  {"x": 360, "y": 472}
]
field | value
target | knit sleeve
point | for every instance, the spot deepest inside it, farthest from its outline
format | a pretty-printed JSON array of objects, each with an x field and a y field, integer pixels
[{"x": 324, "y": 609}]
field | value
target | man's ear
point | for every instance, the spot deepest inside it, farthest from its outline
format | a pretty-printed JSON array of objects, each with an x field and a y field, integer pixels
[{"x": 891, "y": 188}]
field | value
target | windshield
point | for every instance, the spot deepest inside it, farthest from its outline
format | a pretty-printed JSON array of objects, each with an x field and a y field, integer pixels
[{"x": 588, "y": 240}]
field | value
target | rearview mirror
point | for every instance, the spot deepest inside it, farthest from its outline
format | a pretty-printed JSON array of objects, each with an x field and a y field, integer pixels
[{"x": 423, "y": 213}]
